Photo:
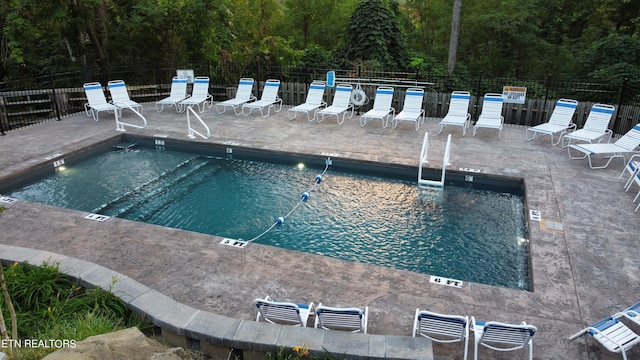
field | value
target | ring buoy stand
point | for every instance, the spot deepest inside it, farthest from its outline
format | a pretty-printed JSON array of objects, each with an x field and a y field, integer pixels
[{"x": 358, "y": 97}]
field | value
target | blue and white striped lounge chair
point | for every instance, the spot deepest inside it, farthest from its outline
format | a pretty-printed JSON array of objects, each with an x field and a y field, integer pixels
[
  {"x": 491, "y": 114},
  {"x": 341, "y": 104},
  {"x": 120, "y": 96},
  {"x": 559, "y": 122},
  {"x": 502, "y": 337},
  {"x": 268, "y": 99},
  {"x": 178, "y": 93},
  {"x": 244, "y": 94},
  {"x": 458, "y": 114},
  {"x": 595, "y": 128},
  {"x": 345, "y": 319},
  {"x": 633, "y": 168},
  {"x": 611, "y": 333},
  {"x": 282, "y": 312},
  {"x": 96, "y": 101},
  {"x": 442, "y": 328},
  {"x": 313, "y": 103},
  {"x": 382, "y": 108},
  {"x": 199, "y": 95},
  {"x": 412, "y": 108},
  {"x": 625, "y": 145}
]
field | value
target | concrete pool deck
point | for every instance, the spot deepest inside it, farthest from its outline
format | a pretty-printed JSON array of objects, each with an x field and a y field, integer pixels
[{"x": 582, "y": 251}]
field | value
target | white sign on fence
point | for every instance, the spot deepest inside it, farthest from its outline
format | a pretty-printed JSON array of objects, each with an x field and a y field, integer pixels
[
  {"x": 186, "y": 74},
  {"x": 514, "y": 94}
]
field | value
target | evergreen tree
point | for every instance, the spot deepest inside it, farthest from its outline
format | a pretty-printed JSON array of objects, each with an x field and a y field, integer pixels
[{"x": 374, "y": 35}]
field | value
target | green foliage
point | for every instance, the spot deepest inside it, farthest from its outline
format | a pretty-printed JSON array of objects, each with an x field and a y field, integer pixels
[
  {"x": 612, "y": 59},
  {"x": 49, "y": 305},
  {"x": 374, "y": 36}
]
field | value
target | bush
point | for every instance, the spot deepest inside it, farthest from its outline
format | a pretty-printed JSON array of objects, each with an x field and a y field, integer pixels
[{"x": 50, "y": 306}]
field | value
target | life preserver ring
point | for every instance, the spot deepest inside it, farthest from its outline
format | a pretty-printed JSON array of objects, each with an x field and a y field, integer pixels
[{"x": 358, "y": 97}]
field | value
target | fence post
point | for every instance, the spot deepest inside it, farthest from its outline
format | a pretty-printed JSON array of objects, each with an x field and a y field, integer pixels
[
  {"x": 54, "y": 97},
  {"x": 623, "y": 89},
  {"x": 478, "y": 95}
]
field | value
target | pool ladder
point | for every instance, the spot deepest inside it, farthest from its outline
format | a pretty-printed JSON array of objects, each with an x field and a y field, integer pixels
[{"x": 424, "y": 160}]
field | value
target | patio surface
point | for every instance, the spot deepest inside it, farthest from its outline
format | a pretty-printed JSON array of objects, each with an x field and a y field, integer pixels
[{"x": 582, "y": 272}]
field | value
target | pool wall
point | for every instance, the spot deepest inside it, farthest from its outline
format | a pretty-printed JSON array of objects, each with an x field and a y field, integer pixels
[{"x": 454, "y": 177}]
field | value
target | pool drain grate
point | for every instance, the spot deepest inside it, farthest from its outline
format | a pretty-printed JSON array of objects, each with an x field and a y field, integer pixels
[{"x": 235, "y": 243}]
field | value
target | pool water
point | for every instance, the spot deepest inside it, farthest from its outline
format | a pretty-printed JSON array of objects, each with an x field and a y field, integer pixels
[{"x": 460, "y": 233}]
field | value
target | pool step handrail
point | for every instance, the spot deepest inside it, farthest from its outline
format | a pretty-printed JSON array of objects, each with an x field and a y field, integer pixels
[
  {"x": 118, "y": 114},
  {"x": 192, "y": 132},
  {"x": 424, "y": 159}
]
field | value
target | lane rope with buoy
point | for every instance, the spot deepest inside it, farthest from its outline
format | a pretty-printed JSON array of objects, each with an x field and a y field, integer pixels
[{"x": 305, "y": 195}]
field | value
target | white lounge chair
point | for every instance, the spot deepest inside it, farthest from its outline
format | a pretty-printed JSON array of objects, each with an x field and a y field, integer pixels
[
  {"x": 200, "y": 96},
  {"x": 244, "y": 94},
  {"x": 633, "y": 168},
  {"x": 120, "y": 96},
  {"x": 502, "y": 337},
  {"x": 178, "y": 93},
  {"x": 412, "y": 108},
  {"x": 282, "y": 312},
  {"x": 595, "y": 128},
  {"x": 559, "y": 121},
  {"x": 633, "y": 312},
  {"x": 458, "y": 114},
  {"x": 442, "y": 328},
  {"x": 611, "y": 333},
  {"x": 625, "y": 145},
  {"x": 96, "y": 101},
  {"x": 382, "y": 108},
  {"x": 341, "y": 104},
  {"x": 491, "y": 114},
  {"x": 346, "y": 319},
  {"x": 268, "y": 100},
  {"x": 313, "y": 103}
]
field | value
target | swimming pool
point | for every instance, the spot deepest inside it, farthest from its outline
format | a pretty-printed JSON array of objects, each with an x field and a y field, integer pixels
[{"x": 464, "y": 232}]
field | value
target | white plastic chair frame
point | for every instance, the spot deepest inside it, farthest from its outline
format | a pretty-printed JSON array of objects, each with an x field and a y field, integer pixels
[
  {"x": 412, "y": 108},
  {"x": 458, "y": 114},
  {"x": 559, "y": 122},
  {"x": 313, "y": 103},
  {"x": 442, "y": 328},
  {"x": 96, "y": 101},
  {"x": 282, "y": 312},
  {"x": 382, "y": 108},
  {"x": 502, "y": 337},
  {"x": 611, "y": 333},
  {"x": 345, "y": 319},
  {"x": 491, "y": 114},
  {"x": 244, "y": 94}
]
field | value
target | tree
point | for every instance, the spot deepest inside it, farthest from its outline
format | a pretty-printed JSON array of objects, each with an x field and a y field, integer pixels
[
  {"x": 455, "y": 30},
  {"x": 373, "y": 34}
]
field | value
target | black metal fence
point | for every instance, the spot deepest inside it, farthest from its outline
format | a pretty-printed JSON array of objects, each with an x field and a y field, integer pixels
[{"x": 40, "y": 98}]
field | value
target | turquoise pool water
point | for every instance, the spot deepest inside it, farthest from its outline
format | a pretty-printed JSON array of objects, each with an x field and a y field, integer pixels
[{"x": 461, "y": 233}]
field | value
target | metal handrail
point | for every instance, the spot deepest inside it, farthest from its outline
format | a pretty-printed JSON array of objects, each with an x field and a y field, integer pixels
[
  {"x": 120, "y": 124},
  {"x": 192, "y": 132}
]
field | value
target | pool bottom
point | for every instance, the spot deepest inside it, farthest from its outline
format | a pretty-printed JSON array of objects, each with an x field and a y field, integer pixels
[{"x": 370, "y": 245}]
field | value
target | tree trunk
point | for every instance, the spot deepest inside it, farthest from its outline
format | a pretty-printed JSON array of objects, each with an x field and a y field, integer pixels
[
  {"x": 12, "y": 311},
  {"x": 455, "y": 30}
]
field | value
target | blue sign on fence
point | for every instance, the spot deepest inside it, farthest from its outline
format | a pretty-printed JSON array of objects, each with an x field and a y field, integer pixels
[{"x": 331, "y": 78}]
